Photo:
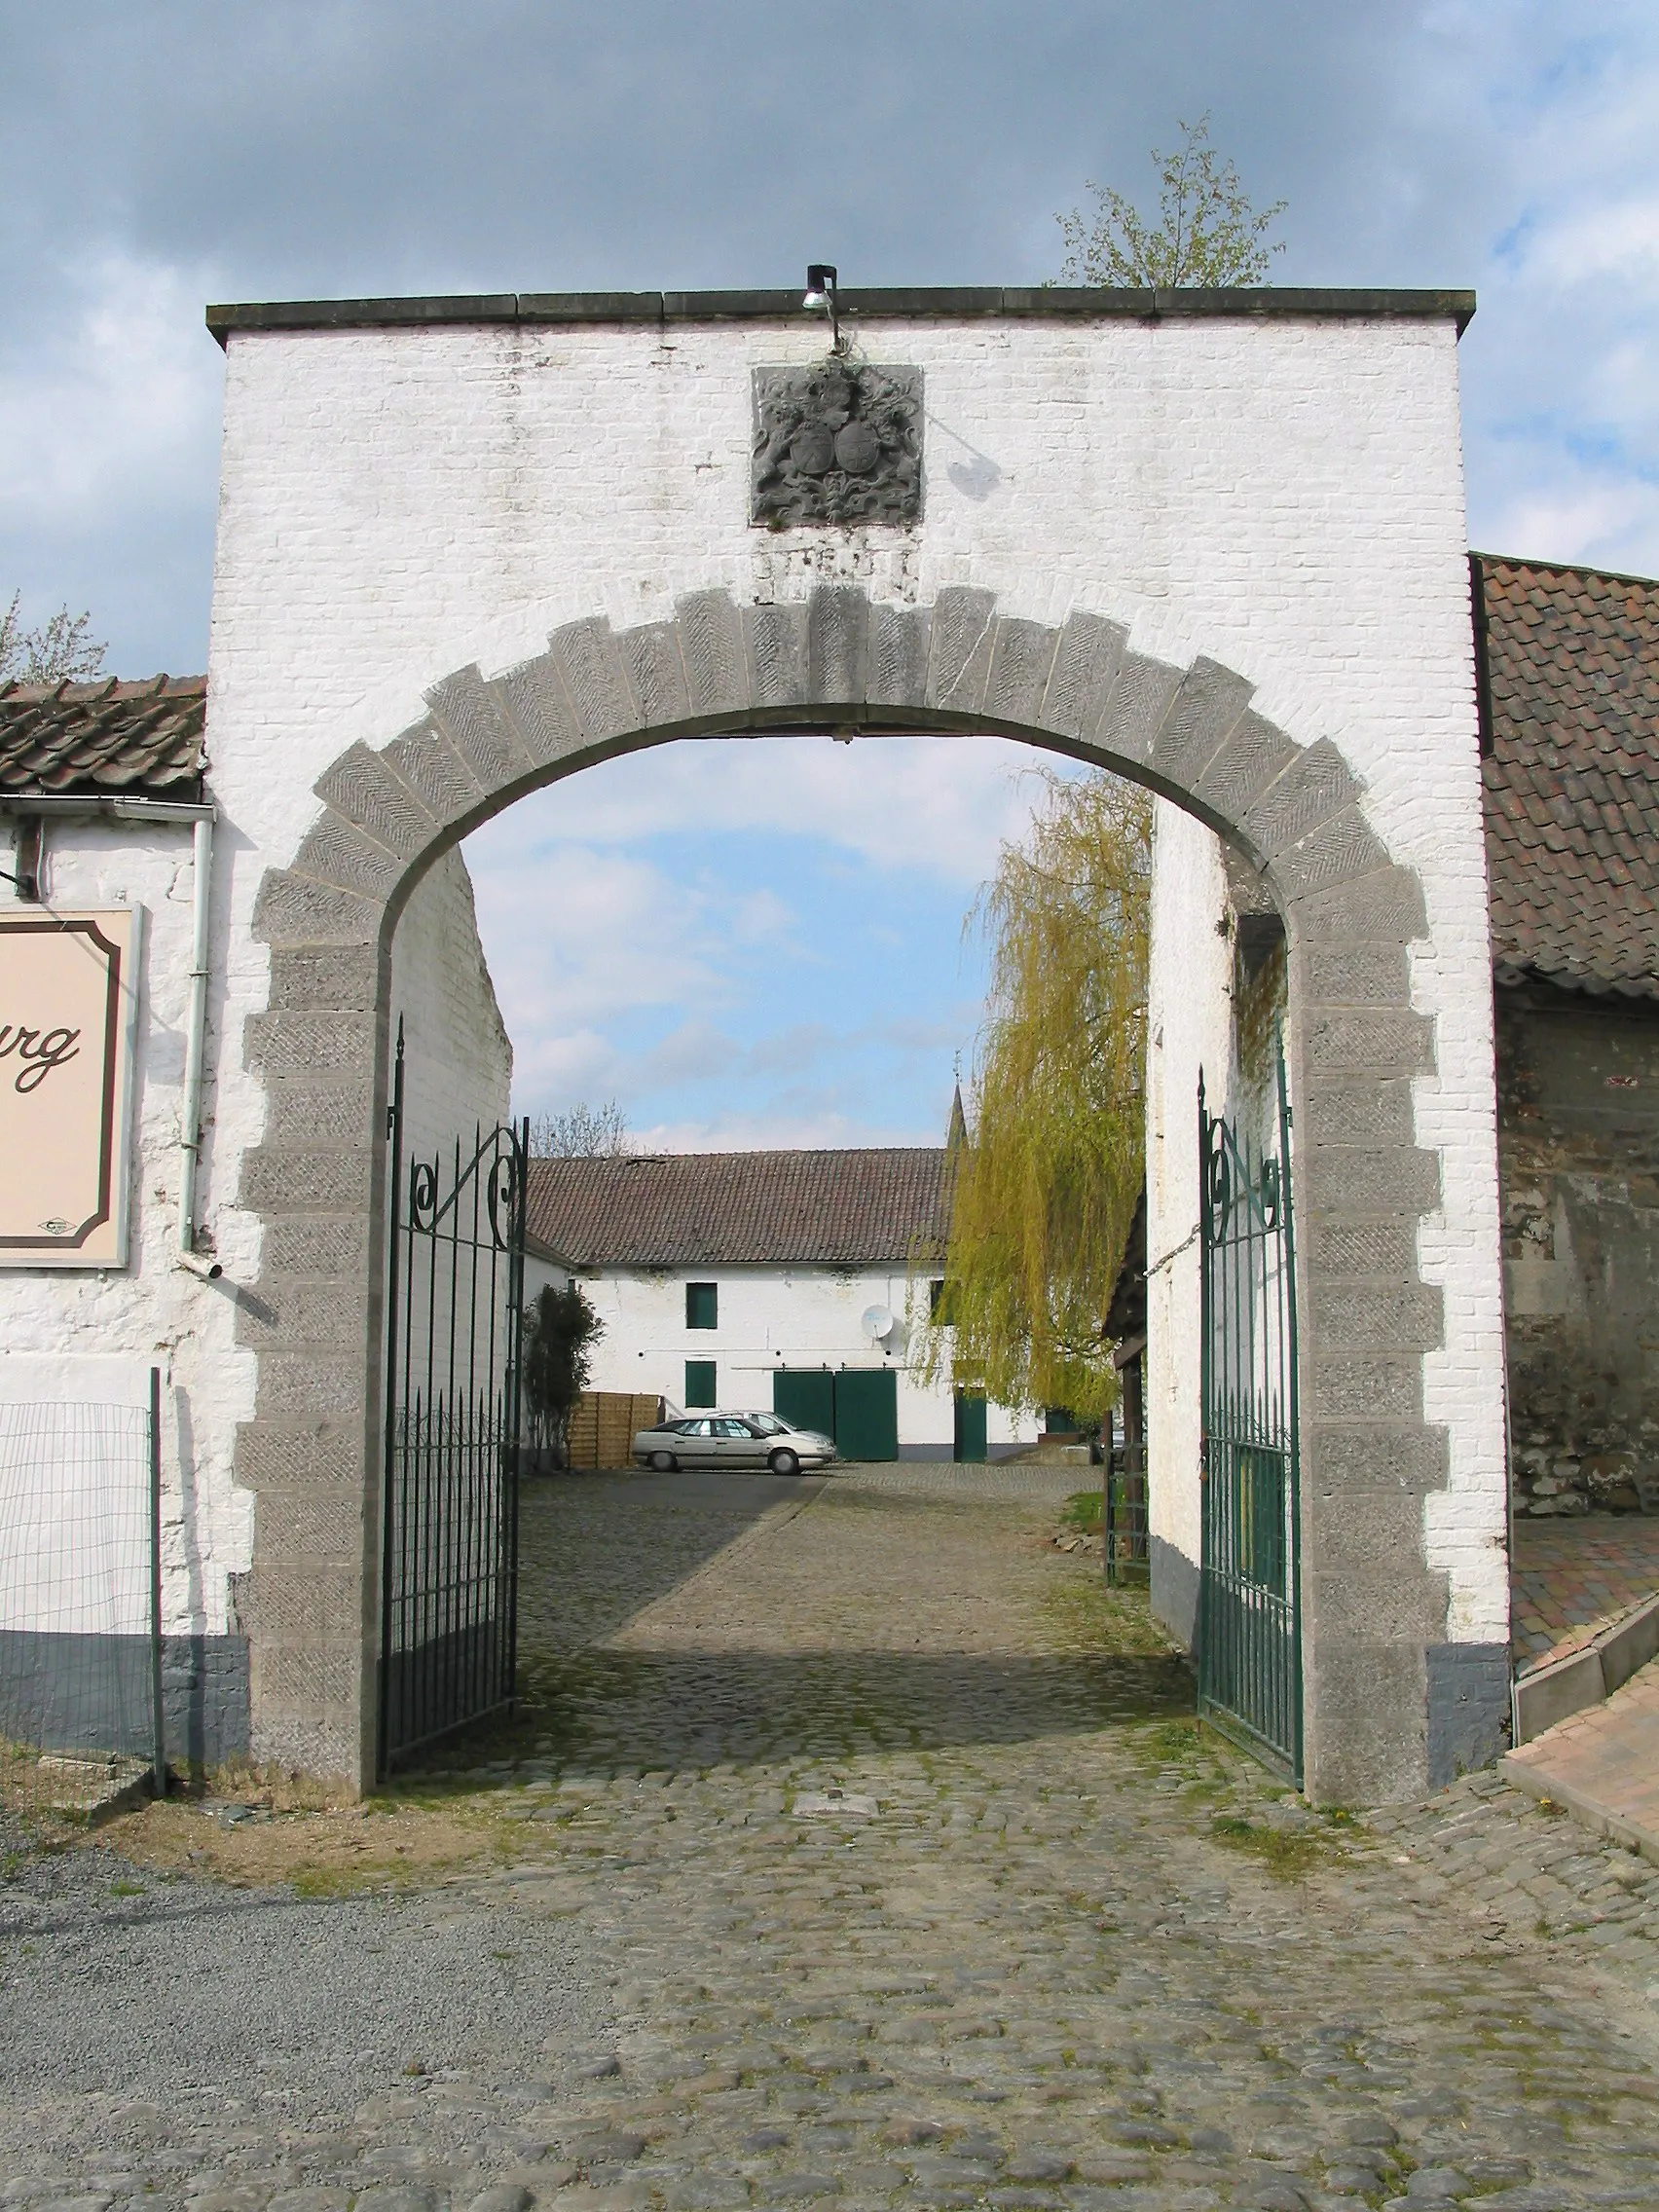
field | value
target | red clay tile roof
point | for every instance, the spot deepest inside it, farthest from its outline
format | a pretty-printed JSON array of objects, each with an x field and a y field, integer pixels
[
  {"x": 104, "y": 738},
  {"x": 1573, "y": 775},
  {"x": 706, "y": 1208}
]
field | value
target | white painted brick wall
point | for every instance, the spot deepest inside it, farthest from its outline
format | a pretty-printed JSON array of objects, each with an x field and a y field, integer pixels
[
  {"x": 458, "y": 1058},
  {"x": 1286, "y": 496}
]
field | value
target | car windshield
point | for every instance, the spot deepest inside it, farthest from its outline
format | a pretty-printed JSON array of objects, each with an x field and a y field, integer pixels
[{"x": 766, "y": 1424}]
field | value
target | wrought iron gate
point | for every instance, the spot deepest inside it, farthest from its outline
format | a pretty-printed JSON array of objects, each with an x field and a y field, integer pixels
[
  {"x": 1249, "y": 1619},
  {"x": 455, "y": 1298}
]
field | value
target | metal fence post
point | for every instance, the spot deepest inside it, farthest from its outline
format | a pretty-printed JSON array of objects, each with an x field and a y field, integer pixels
[{"x": 159, "y": 1757}]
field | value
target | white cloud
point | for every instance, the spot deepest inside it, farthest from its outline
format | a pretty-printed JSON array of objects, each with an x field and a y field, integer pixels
[
  {"x": 119, "y": 402},
  {"x": 940, "y": 804}
]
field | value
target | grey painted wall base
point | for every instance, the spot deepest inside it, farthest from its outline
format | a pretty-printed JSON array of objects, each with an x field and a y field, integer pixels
[
  {"x": 1468, "y": 1709},
  {"x": 1174, "y": 1592},
  {"x": 91, "y": 1693}
]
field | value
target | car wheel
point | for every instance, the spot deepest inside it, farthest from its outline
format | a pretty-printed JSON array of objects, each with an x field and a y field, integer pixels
[
  {"x": 784, "y": 1463},
  {"x": 664, "y": 1462}
]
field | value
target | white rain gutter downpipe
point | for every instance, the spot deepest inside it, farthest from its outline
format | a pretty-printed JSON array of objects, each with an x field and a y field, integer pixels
[{"x": 194, "y": 1050}]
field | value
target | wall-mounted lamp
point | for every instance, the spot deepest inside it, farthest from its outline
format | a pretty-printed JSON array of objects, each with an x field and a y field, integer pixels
[{"x": 821, "y": 299}]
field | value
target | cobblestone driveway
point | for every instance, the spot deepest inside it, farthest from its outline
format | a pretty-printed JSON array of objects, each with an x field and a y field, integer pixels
[{"x": 1047, "y": 1948}]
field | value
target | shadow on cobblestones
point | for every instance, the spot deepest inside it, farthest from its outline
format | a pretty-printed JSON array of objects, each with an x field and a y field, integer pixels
[{"x": 680, "y": 1711}]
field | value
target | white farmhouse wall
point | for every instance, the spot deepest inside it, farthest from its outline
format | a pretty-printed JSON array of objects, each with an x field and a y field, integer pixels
[
  {"x": 771, "y": 1317},
  {"x": 116, "y": 1323},
  {"x": 1189, "y": 1030}
]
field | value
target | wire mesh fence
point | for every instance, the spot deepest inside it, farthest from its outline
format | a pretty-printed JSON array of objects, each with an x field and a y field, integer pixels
[{"x": 80, "y": 1604}]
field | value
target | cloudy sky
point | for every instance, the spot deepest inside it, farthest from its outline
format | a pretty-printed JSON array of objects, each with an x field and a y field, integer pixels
[{"x": 732, "y": 978}]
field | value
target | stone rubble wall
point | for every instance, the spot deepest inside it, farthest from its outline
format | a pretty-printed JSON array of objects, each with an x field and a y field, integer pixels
[{"x": 1578, "y": 1081}]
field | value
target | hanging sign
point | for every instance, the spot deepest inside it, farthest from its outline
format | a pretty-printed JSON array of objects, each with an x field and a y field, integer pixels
[{"x": 68, "y": 1001}]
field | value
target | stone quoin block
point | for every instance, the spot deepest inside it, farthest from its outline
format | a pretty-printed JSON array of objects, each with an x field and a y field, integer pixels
[
  {"x": 960, "y": 650},
  {"x": 301, "y": 1593},
  {"x": 317, "y": 1246},
  {"x": 336, "y": 851},
  {"x": 1386, "y": 1040},
  {"x": 837, "y": 642},
  {"x": 297, "y": 909},
  {"x": 1139, "y": 701},
  {"x": 1356, "y": 1180},
  {"x": 1404, "y": 1316},
  {"x": 1408, "y": 1457},
  {"x": 321, "y": 1041},
  {"x": 657, "y": 677},
  {"x": 310, "y": 1382},
  {"x": 305, "y": 1182},
  {"x": 1311, "y": 788},
  {"x": 775, "y": 643},
  {"x": 1087, "y": 655},
  {"x": 1345, "y": 845},
  {"x": 1250, "y": 758},
  {"x": 309, "y": 1456},
  {"x": 900, "y": 640},
  {"x": 535, "y": 695},
  {"x": 1370, "y": 1733},
  {"x": 318, "y": 1113},
  {"x": 296, "y": 1313},
  {"x": 1359, "y": 975},
  {"x": 335, "y": 976},
  {"x": 595, "y": 679},
  {"x": 304, "y": 1524},
  {"x": 1204, "y": 708},
  {"x": 362, "y": 786},
  {"x": 435, "y": 772},
  {"x": 1364, "y": 1385},
  {"x": 1376, "y": 1111},
  {"x": 710, "y": 651},
  {"x": 1336, "y": 1246},
  {"x": 1381, "y": 1524},
  {"x": 1022, "y": 657},
  {"x": 473, "y": 718},
  {"x": 1400, "y": 1607}
]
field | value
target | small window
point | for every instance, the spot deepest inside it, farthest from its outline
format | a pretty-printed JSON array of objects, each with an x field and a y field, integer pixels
[
  {"x": 700, "y": 1383},
  {"x": 702, "y": 1305},
  {"x": 937, "y": 1309}
]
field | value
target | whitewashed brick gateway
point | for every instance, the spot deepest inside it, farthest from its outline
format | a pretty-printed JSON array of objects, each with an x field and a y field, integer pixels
[{"x": 1215, "y": 540}]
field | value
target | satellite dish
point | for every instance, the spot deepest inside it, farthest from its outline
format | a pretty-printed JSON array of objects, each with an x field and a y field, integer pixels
[{"x": 878, "y": 1322}]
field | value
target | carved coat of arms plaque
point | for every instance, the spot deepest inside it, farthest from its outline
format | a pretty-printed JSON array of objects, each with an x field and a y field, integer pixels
[{"x": 836, "y": 442}]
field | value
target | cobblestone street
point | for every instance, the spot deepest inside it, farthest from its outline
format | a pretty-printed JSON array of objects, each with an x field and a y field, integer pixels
[{"x": 857, "y": 1846}]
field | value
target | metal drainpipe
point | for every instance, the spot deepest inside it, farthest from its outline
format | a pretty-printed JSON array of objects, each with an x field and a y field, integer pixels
[{"x": 195, "y": 1048}]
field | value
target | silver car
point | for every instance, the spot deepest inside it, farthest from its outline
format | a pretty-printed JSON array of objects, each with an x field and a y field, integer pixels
[{"x": 731, "y": 1440}]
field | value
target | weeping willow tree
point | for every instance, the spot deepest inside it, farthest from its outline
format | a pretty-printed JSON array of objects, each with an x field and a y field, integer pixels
[{"x": 1047, "y": 1182}]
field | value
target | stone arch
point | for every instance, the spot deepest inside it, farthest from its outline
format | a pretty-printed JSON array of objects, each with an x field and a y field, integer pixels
[{"x": 1375, "y": 1613}]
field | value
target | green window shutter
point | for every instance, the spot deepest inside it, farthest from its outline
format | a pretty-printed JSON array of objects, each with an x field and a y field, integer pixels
[
  {"x": 700, "y": 1384},
  {"x": 702, "y": 1305}
]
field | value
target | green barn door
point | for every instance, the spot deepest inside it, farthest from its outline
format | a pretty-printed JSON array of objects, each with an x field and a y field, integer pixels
[
  {"x": 805, "y": 1397},
  {"x": 969, "y": 1428},
  {"x": 867, "y": 1412}
]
